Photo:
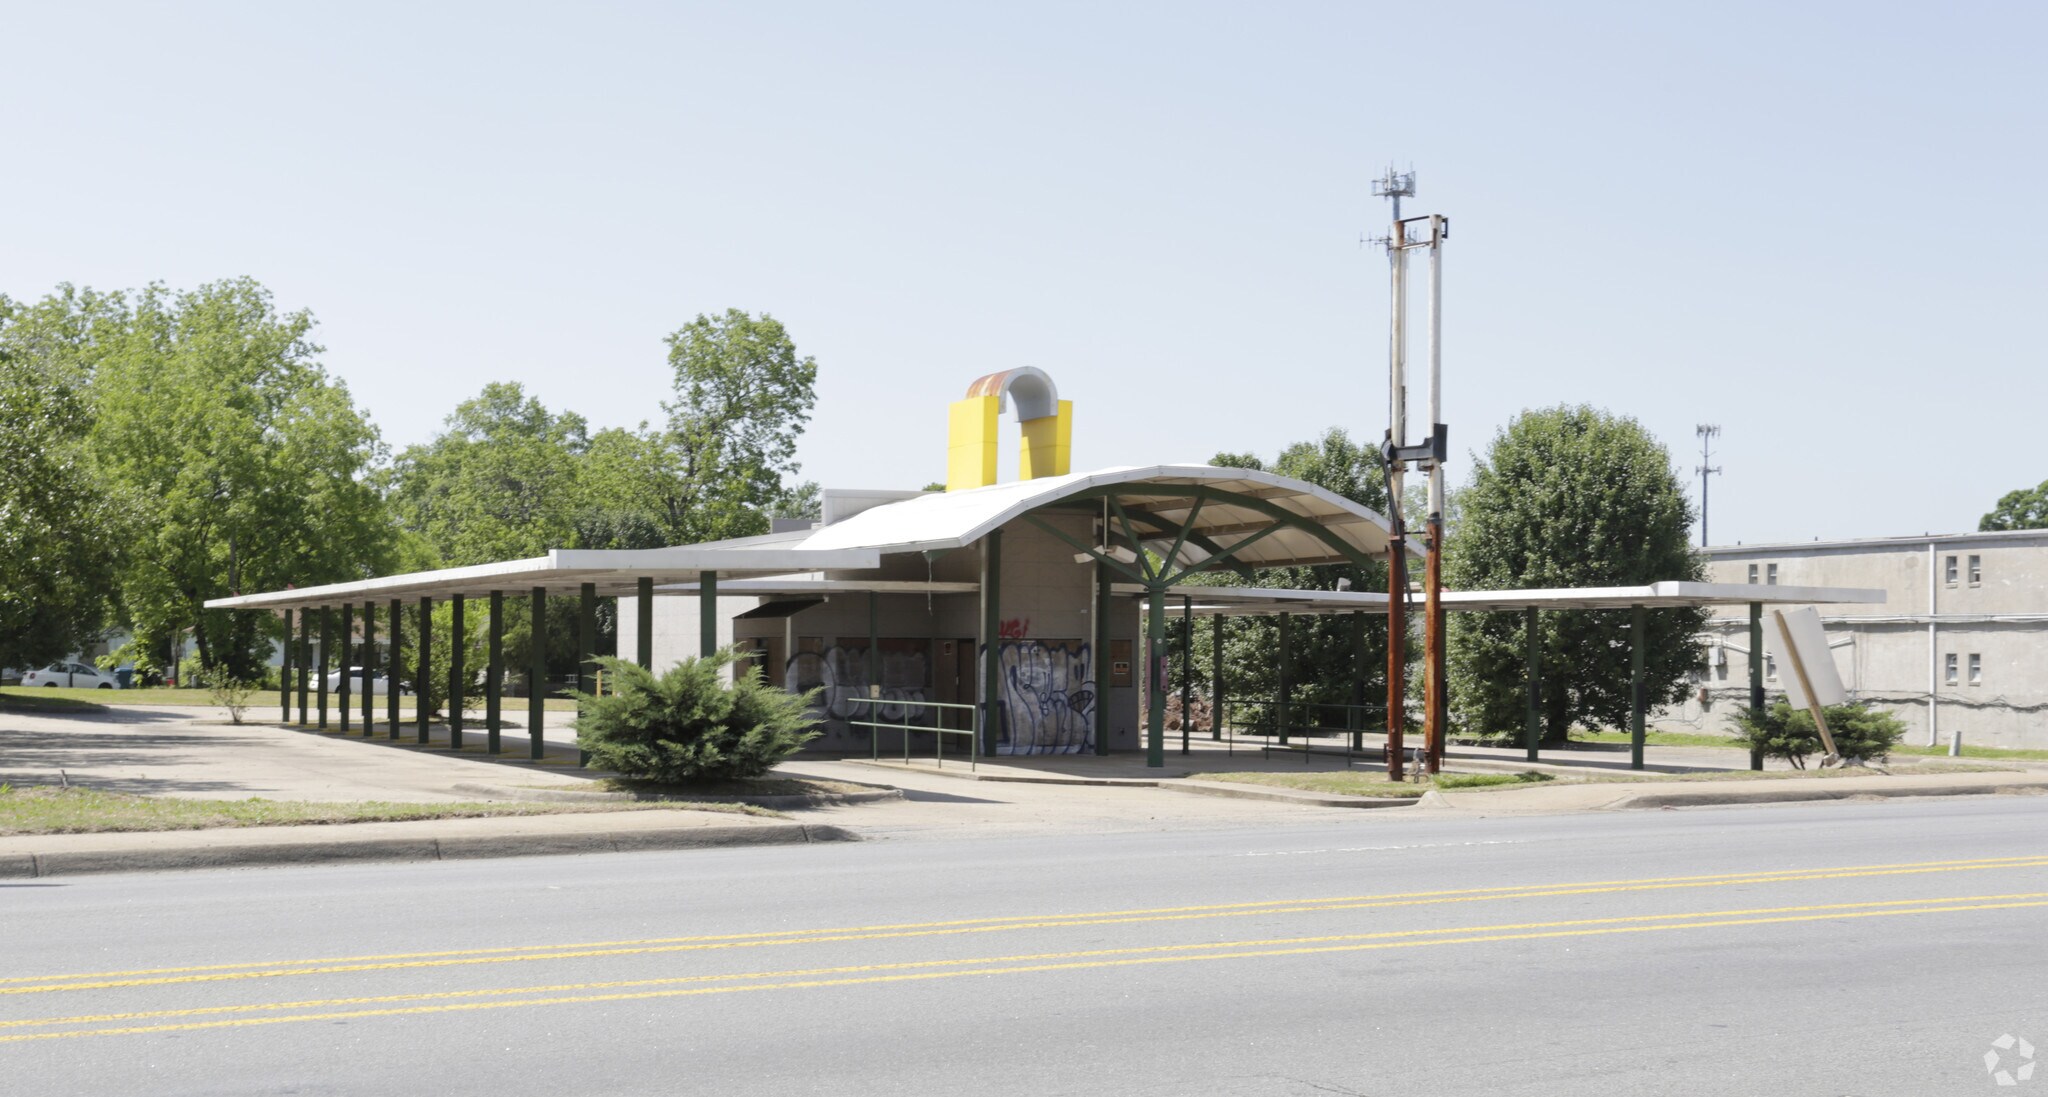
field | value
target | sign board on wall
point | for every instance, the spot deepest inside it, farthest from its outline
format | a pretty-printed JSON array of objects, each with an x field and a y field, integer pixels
[
  {"x": 1796, "y": 640},
  {"x": 1120, "y": 664}
]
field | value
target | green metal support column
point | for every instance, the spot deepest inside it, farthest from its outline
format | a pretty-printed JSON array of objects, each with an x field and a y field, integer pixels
[
  {"x": 284, "y": 672},
  {"x": 1285, "y": 694},
  {"x": 494, "y": 674},
  {"x": 1756, "y": 674},
  {"x": 1187, "y": 667},
  {"x": 1356, "y": 720},
  {"x": 991, "y": 644},
  {"x": 1155, "y": 677},
  {"x": 643, "y": 622},
  {"x": 393, "y": 675},
  {"x": 1532, "y": 659},
  {"x": 1638, "y": 622},
  {"x": 458, "y": 675},
  {"x": 537, "y": 675},
  {"x": 707, "y": 615},
  {"x": 305, "y": 658},
  {"x": 423, "y": 659},
  {"x": 369, "y": 665},
  {"x": 348, "y": 628},
  {"x": 1216, "y": 677},
  {"x": 586, "y": 653},
  {"x": 326, "y": 646},
  {"x": 875, "y": 654},
  {"x": 1100, "y": 662}
]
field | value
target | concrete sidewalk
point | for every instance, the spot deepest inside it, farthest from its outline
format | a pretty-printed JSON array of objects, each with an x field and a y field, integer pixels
[{"x": 196, "y": 753}]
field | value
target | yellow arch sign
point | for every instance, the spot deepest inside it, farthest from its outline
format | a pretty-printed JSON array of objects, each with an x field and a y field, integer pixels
[{"x": 1047, "y": 422}]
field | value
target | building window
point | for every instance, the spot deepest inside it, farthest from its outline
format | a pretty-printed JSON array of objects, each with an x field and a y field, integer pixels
[
  {"x": 1949, "y": 668},
  {"x": 1949, "y": 572},
  {"x": 1976, "y": 669},
  {"x": 1752, "y": 574},
  {"x": 1976, "y": 571},
  {"x": 1771, "y": 575}
]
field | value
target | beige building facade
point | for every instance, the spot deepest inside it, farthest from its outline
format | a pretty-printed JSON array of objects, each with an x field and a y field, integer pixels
[{"x": 1960, "y": 645}]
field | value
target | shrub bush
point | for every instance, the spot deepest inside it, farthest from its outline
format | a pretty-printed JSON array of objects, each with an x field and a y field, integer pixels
[
  {"x": 228, "y": 691},
  {"x": 692, "y": 724},
  {"x": 1782, "y": 731}
]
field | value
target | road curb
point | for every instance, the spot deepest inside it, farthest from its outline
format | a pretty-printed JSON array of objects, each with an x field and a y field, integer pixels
[
  {"x": 578, "y": 796},
  {"x": 1287, "y": 795},
  {"x": 1021, "y": 778},
  {"x": 1713, "y": 797},
  {"x": 20, "y": 866}
]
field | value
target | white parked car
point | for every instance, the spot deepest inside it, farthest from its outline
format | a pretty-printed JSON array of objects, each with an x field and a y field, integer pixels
[
  {"x": 75, "y": 675},
  {"x": 380, "y": 683}
]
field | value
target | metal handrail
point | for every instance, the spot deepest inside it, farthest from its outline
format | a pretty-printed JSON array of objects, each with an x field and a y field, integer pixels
[
  {"x": 1353, "y": 732},
  {"x": 939, "y": 742}
]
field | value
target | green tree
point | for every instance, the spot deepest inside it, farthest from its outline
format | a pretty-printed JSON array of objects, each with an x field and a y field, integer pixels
[
  {"x": 1325, "y": 646},
  {"x": 2023, "y": 509},
  {"x": 716, "y": 468},
  {"x": 241, "y": 463},
  {"x": 1569, "y": 497},
  {"x": 57, "y": 558},
  {"x": 503, "y": 481}
]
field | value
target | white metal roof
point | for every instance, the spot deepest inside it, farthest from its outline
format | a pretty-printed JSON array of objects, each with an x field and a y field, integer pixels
[
  {"x": 1252, "y": 601},
  {"x": 613, "y": 571},
  {"x": 956, "y": 519}
]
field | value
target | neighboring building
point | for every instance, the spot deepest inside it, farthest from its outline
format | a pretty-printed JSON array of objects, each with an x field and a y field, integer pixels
[{"x": 1960, "y": 644}]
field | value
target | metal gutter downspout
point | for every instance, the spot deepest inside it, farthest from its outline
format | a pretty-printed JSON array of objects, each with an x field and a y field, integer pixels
[{"x": 1933, "y": 646}]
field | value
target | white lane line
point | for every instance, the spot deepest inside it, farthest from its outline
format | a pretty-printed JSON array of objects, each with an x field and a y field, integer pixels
[{"x": 1376, "y": 849}]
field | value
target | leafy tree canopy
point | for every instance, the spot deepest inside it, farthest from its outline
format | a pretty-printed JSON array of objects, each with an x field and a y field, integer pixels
[
  {"x": 57, "y": 548},
  {"x": 717, "y": 467},
  {"x": 234, "y": 461},
  {"x": 502, "y": 482},
  {"x": 1569, "y": 497},
  {"x": 2023, "y": 509}
]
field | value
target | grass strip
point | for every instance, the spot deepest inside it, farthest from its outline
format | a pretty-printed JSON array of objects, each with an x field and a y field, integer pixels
[
  {"x": 1368, "y": 783},
  {"x": 45, "y": 809},
  {"x": 18, "y": 699}
]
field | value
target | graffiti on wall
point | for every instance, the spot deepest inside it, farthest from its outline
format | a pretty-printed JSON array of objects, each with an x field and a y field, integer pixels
[
  {"x": 842, "y": 672},
  {"x": 1016, "y": 628},
  {"x": 1048, "y": 697}
]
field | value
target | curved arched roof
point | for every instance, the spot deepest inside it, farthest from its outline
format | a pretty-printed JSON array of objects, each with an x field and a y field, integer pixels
[{"x": 1229, "y": 506}]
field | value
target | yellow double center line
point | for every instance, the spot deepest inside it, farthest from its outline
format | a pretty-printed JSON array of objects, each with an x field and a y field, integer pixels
[
  {"x": 19, "y": 985},
  {"x": 919, "y": 970}
]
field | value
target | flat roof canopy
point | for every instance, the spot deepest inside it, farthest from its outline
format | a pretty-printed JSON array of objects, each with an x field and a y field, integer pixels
[
  {"x": 612, "y": 571},
  {"x": 1253, "y": 601}
]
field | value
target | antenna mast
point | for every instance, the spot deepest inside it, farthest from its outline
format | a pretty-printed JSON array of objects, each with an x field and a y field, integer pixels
[
  {"x": 1707, "y": 432},
  {"x": 1410, "y": 234}
]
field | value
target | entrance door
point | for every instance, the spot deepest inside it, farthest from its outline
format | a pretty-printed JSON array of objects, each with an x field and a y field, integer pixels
[{"x": 953, "y": 673}]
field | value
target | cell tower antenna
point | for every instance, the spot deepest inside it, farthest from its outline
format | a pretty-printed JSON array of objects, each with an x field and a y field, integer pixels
[
  {"x": 1395, "y": 185},
  {"x": 1707, "y": 432}
]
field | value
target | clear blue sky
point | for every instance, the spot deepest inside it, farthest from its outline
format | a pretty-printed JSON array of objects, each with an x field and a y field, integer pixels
[{"x": 1817, "y": 225}]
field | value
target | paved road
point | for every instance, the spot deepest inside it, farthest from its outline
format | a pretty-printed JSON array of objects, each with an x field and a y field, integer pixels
[{"x": 1803, "y": 949}]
